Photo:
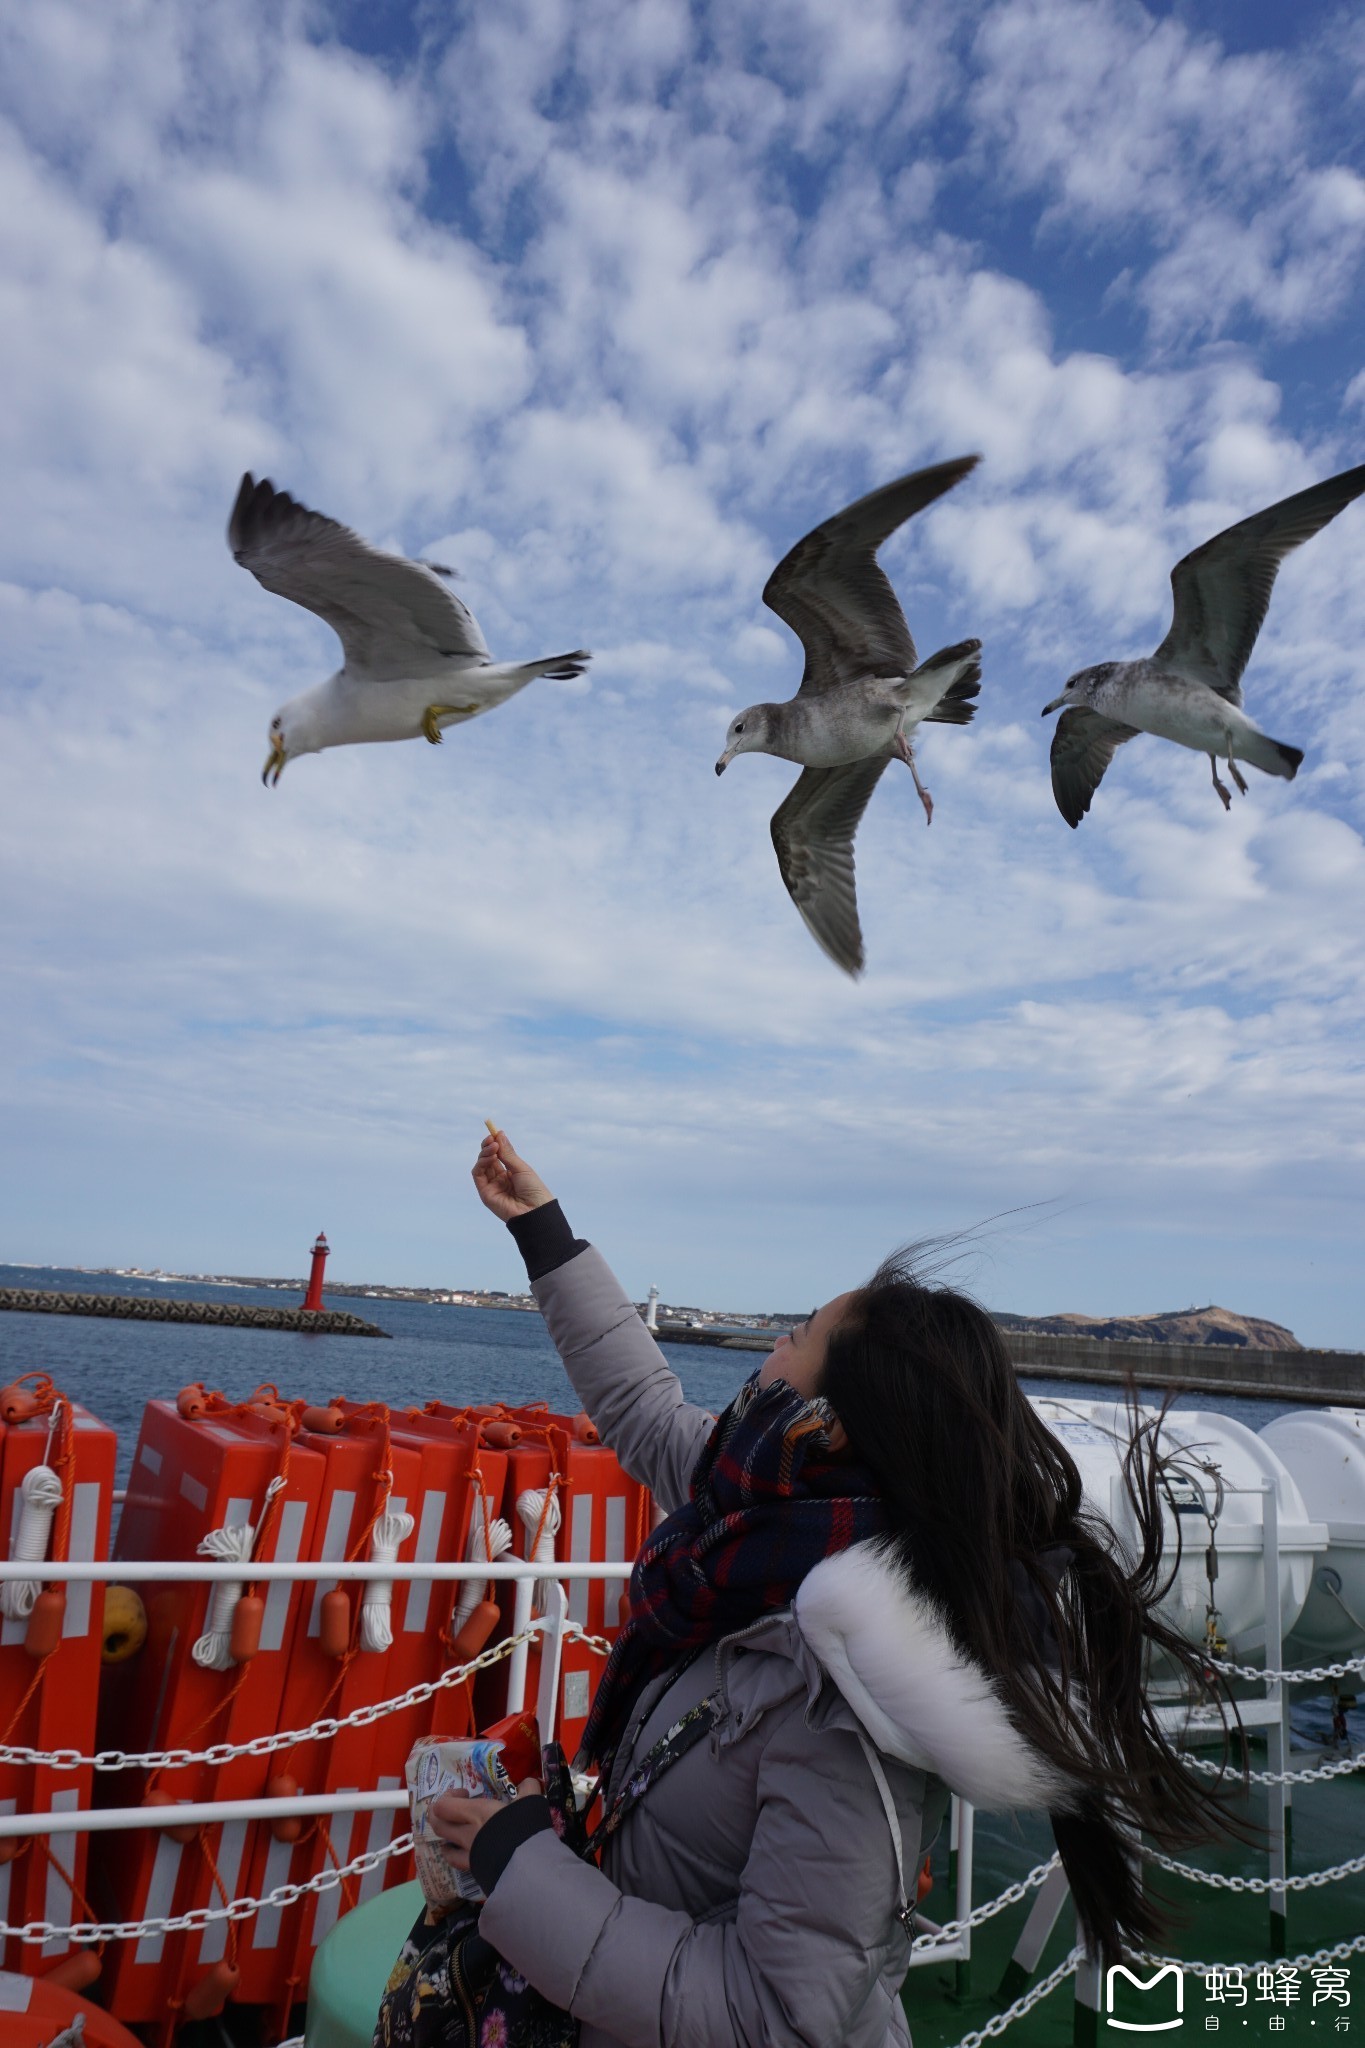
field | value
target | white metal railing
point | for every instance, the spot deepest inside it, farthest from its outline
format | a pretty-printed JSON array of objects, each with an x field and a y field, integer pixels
[
  {"x": 139, "y": 1571},
  {"x": 552, "y": 1628},
  {"x": 951, "y": 1942}
]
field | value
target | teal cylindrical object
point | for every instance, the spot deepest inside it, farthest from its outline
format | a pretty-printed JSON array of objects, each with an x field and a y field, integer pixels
[{"x": 352, "y": 1967}]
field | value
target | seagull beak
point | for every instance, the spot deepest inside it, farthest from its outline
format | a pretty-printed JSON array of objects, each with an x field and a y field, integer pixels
[
  {"x": 1055, "y": 705},
  {"x": 276, "y": 760},
  {"x": 725, "y": 761}
]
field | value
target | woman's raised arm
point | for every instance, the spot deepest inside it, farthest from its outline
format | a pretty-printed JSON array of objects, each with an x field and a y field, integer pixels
[{"x": 615, "y": 1365}]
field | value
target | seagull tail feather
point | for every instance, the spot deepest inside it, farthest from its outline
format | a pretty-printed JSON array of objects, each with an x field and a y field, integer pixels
[
  {"x": 560, "y": 668},
  {"x": 960, "y": 669},
  {"x": 1271, "y": 756}
]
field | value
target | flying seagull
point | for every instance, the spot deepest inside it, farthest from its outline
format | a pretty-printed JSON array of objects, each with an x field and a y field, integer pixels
[
  {"x": 415, "y": 660},
  {"x": 1190, "y": 690},
  {"x": 862, "y": 694}
]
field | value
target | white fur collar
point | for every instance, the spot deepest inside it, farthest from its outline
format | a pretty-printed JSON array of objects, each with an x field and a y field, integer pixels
[{"x": 922, "y": 1700}]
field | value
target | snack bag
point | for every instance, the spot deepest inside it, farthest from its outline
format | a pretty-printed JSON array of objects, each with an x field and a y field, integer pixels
[{"x": 488, "y": 1766}]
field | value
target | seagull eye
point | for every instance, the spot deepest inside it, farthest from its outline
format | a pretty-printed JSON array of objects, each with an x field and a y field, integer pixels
[{"x": 739, "y": 725}]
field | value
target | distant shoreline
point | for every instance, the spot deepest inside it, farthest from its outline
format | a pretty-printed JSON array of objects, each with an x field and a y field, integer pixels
[{"x": 1221, "y": 1329}]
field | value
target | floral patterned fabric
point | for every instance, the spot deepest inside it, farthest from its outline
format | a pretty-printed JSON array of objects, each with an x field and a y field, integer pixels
[{"x": 449, "y": 1989}]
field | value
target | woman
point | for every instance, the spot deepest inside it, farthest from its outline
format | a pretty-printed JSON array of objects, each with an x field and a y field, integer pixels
[{"x": 875, "y": 1585}]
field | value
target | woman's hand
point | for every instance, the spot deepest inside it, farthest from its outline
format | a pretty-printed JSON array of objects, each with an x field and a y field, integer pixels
[
  {"x": 457, "y": 1819},
  {"x": 506, "y": 1184}
]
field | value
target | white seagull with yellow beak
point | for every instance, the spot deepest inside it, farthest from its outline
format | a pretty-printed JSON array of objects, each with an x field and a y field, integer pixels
[{"x": 415, "y": 660}]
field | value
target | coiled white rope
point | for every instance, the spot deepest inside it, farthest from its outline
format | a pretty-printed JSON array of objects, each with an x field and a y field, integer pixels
[
  {"x": 489, "y": 1539},
  {"x": 391, "y": 1532},
  {"x": 40, "y": 1496},
  {"x": 538, "y": 1508},
  {"x": 213, "y": 1650}
]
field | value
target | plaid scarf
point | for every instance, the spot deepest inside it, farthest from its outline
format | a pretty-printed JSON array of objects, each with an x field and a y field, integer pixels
[{"x": 768, "y": 1502}]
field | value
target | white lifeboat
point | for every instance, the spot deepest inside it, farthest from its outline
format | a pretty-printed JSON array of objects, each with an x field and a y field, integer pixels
[
  {"x": 1324, "y": 1448},
  {"x": 1219, "y": 1471}
]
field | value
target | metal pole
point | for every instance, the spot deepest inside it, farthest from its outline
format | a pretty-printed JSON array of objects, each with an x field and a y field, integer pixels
[
  {"x": 142, "y": 1571},
  {"x": 1276, "y": 1741},
  {"x": 198, "y": 1813},
  {"x": 966, "y": 1842},
  {"x": 516, "y": 1667}
]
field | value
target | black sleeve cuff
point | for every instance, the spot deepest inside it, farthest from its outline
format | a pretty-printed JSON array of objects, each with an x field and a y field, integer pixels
[
  {"x": 544, "y": 1239},
  {"x": 498, "y": 1839}
]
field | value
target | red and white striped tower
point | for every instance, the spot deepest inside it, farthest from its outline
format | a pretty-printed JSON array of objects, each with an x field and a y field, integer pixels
[{"x": 313, "y": 1298}]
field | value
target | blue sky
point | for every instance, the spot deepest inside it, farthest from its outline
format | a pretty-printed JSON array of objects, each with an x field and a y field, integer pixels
[{"x": 606, "y": 305}]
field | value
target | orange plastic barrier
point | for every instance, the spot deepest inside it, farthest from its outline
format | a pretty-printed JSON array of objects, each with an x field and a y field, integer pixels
[
  {"x": 202, "y": 1465},
  {"x": 369, "y": 1475},
  {"x": 601, "y": 1514},
  {"x": 49, "y": 1656},
  {"x": 469, "y": 1478},
  {"x": 444, "y": 1474}
]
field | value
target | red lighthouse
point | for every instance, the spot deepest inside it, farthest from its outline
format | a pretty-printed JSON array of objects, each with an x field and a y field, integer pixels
[{"x": 313, "y": 1298}]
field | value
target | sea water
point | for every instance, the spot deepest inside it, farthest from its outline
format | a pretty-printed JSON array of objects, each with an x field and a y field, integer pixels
[{"x": 438, "y": 1351}]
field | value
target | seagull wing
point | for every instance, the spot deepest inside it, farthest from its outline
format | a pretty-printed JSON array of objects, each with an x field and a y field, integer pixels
[
  {"x": 831, "y": 592},
  {"x": 813, "y": 833},
  {"x": 1082, "y": 747},
  {"x": 394, "y": 617},
  {"x": 1223, "y": 588}
]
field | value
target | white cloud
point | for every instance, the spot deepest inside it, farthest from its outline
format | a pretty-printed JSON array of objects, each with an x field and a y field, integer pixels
[
  {"x": 1136, "y": 126},
  {"x": 657, "y": 356}
]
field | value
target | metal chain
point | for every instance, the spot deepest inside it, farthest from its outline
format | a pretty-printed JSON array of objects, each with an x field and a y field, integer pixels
[
  {"x": 1311, "y": 1880},
  {"x": 219, "y": 1753},
  {"x": 1311, "y": 1777},
  {"x": 1009, "y": 1897},
  {"x": 1339, "y": 1952},
  {"x": 1039, "y": 1992},
  {"x": 1353, "y": 1666},
  {"x": 86, "y": 1932}
]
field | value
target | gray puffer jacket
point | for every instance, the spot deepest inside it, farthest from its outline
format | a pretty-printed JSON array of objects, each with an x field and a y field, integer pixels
[{"x": 751, "y": 1898}]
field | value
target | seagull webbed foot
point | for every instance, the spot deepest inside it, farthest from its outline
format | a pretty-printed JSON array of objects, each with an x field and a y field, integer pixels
[
  {"x": 903, "y": 751},
  {"x": 1235, "y": 772},
  {"x": 431, "y": 730},
  {"x": 1221, "y": 788}
]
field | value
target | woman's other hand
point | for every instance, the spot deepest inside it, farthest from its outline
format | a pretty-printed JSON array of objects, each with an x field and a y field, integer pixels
[
  {"x": 457, "y": 1819},
  {"x": 506, "y": 1184}
]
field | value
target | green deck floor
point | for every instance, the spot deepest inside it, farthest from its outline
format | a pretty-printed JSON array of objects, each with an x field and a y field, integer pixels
[{"x": 1215, "y": 1926}]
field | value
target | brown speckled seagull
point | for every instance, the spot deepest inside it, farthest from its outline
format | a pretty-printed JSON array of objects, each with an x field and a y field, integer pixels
[
  {"x": 863, "y": 692},
  {"x": 1190, "y": 690}
]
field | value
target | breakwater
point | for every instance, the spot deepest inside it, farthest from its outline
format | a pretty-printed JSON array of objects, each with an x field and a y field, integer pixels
[
  {"x": 1322, "y": 1378},
  {"x": 233, "y": 1315}
]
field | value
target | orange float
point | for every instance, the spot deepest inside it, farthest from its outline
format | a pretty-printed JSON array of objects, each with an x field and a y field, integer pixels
[
  {"x": 568, "y": 1498},
  {"x": 203, "y": 1465},
  {"x": 369, "y": 1477},
  {"x": 56, "y": 1497},
  {"x": 36, "y": 2010}
]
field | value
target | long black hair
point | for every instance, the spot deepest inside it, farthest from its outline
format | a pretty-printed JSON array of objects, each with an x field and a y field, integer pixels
[{"x": 988, "y": 1521}]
